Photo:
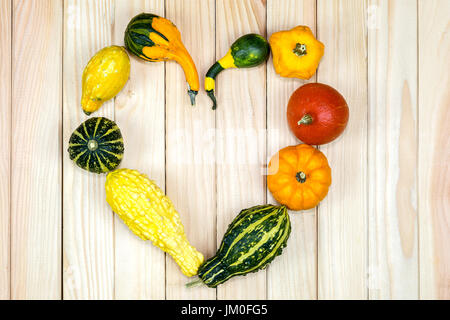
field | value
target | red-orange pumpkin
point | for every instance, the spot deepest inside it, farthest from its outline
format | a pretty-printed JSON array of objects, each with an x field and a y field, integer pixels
[{"x": 317, "y": 113}]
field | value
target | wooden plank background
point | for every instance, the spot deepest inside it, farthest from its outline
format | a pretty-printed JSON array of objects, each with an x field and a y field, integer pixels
[{"x": 381, "y": 233}]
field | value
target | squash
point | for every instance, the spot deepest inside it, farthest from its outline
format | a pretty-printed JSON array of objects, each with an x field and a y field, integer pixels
[
  {"x": 299, "y": 177},
  {"x": 253, "y": 239},
  {"x": 153, "y": 38},
  {"x": 104, "y": 77},
  {"x": 97, "y": 145},
  {"x": 296, "y": 52},
  {"x": 150, "y": 215},
  {"x": 317, "y": 113},
  {"x": 248, "y": 51}
]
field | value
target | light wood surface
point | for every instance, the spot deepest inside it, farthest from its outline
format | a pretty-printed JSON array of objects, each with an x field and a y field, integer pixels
[
  {"x": 342, "y": 216},
  {"x": 5, "y": 156},
  {"x": 36, "y": 203},
  {"x": 434, "y": 149},
  {"x": 381, "y": 233},
  {"x": 392, "y": 153}
]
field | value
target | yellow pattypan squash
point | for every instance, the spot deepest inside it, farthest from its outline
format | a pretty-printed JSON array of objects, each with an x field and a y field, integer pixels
[{"x": 296, "y": 52}]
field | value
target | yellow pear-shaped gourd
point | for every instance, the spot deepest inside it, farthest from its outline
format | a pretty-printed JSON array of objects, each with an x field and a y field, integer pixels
[
  {"x": 145, "y": 209},
  {"x": 103, "y": 77}
]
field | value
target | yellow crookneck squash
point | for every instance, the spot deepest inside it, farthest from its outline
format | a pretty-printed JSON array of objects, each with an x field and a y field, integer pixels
[
  {"x": 296, "y": 52},
  {"x": 153, "y": 38},
  {"x": 299, "y": 177},
  {"x": 145, "y": 209},
  {"x": 104, "y": 77}
]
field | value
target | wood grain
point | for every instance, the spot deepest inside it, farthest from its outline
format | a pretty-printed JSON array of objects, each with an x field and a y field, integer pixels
[
  {"x": 190, "y": 142},
  {"x": 241, "y": 140},
  {"x": 294, "y": 274},
  {"x": 342, "y": 248},
  {"x": 393, "y": 247},
  {"x": 139, "y": 112},
  {"x": 5, "y": 134},
  {"x": 88, "y": 220},
  {"x": 434, "y": 148},
  {"x": 36, "y": 151}
]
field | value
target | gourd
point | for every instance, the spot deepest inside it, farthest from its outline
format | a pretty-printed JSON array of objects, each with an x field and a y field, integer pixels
[
  {"x": 96, "y": 145},
  {"x": 104, "y": 77},
  {"x": 299, "y": 177},
  {"x": 296, "y": 52},
  {"x": 253, "y": 239},
  {"x": 150, "y": 215},
  {"x": 248, "y": 51},
  {"x": 153, "y": 38}
]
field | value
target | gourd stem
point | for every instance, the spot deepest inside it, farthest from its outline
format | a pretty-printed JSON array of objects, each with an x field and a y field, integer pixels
[
  {"x": 307, "y": 119},
  {"x": 210, "y": 94},
  {"x": 300, "y": 49},
  {"x": 192, "y": 95},
  {"x": 195, "y": 283}
]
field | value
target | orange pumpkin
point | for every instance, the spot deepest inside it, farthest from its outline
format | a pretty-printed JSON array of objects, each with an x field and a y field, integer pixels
[{"x": 299, "y": 177}]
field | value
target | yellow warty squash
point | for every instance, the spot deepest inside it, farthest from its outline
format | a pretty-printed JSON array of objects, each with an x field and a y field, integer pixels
[
  {"x": 103, "y": 77},
  {"x": 151, "y": 215}
]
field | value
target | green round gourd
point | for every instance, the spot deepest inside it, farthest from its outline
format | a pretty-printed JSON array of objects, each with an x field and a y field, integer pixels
[
  {"x": 97, "y": 145},
  {"x": 254, "y": 238},
  {"x": 248, "y": 51}
]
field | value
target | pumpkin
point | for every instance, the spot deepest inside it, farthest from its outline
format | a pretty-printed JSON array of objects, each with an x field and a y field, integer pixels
[
  {"x": 296, "y": 52},
  {"x": 153, "y": 38},
  {"x": 252, "y": 241},
  {"x": 150, "y": 215},
  {"x": 248, "y": 51},
  {"x": 96, "y": 145},
  {"x": 317, "y": 113},
  {"x": 299, "y": 177},
  {"x": 104, "y": 77}
]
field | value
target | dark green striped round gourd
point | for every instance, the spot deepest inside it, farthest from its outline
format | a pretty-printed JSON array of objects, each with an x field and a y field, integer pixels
[
  {"x": 254, "y": 238},
  {"x": 96, "y": 145}
]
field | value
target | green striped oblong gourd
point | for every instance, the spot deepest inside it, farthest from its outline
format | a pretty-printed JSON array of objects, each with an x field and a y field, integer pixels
[
  {"x": 97, "y": 145},
  {"x": 254, "y": 238}
]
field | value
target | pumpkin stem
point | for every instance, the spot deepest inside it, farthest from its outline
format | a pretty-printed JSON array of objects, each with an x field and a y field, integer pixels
[
  {"x": 307, "y": 119},
  {"x": 194, "y": 283},
  {"x": 300, "y": 49},
  {"x": 300, "y": 176}
]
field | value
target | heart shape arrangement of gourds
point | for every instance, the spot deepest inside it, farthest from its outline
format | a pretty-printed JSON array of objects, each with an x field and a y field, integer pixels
[{"x": 298, "y": 176}]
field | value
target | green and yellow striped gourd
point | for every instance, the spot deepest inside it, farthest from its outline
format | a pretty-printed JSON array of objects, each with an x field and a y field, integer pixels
[{"x": 254, "y": 238}]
